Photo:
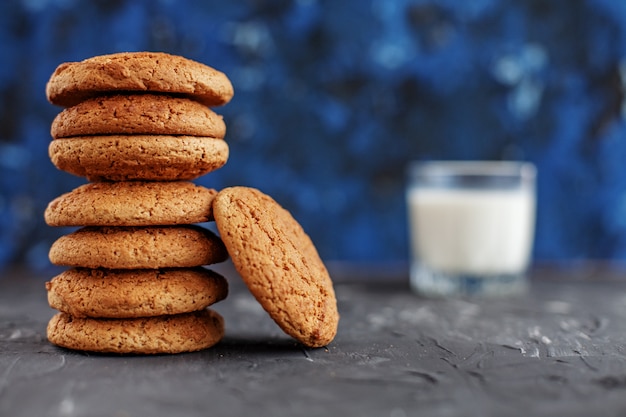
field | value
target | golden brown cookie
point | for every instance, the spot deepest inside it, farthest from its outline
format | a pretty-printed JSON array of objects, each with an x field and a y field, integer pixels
[
  {"x": 132, "y": 203},
  {"x": 148, "y": 247},
  {"x": 106, "y": 293},
  {"x": 279, "y": 264},
  {"x": 138, "y": 157},
  {"x": 138, "y": 114},
  {"x": 152, "y": 335},
  {"x": 154, "y": 72}
]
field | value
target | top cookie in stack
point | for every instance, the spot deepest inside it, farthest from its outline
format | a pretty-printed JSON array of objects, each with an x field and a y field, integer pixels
[{"x": 139, "y": 127}]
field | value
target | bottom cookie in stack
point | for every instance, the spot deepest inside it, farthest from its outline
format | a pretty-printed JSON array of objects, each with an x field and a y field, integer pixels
[{"x": 145, "y": 335}]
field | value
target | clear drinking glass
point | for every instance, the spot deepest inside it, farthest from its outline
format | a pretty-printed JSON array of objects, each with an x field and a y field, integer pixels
[{"x": 472, "y": 226}]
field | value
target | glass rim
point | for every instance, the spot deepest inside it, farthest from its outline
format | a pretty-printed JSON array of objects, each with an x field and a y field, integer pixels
[{"x": 485, "y": 168}]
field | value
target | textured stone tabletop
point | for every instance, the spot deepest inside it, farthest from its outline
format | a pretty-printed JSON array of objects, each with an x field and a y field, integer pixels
[{"x": 560, "y": 350}]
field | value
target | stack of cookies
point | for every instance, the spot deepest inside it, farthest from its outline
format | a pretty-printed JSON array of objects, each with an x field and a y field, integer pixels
[{"x": 139, "y": 127}]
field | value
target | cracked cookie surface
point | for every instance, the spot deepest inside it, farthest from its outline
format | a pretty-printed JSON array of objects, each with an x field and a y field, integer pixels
[
  {"x": 132, "y": 203},
  {"x": 138, "y": 157},
  {"x": 279, "y": 263},
  {"x": 138, "y": 114},
  {"x": 147, "y": 247},
  {"x": 104, "y": 293},
  {"x": 153, "y": 72},
  {"x": 146, "y": 335}
]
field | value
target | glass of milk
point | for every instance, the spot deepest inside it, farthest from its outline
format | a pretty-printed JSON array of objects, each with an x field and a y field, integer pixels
[{"x": 471, "y": 226}]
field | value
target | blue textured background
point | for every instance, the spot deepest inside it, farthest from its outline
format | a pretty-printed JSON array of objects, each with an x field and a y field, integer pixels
[{"x": 333, "y": 98}]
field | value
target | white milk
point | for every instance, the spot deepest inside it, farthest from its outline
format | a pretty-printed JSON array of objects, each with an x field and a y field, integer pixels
[{"x": 472, "y": 232}]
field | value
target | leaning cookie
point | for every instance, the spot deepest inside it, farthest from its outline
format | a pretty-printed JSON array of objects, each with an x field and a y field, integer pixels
[
  {"x": 147, "y": 247},
  {"x": 138, "y": 157},
  {"x": 152, "y": 335},
  {"x": 104, "y": 293},
  {"x": 151, "y": 72},
  {"x": 279, "y": 263},
  {"x": 132, "y": 203},
  {"x": 138, "y": 114}
]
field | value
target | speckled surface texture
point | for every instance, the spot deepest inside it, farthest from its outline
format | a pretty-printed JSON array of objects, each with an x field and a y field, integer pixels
[
  {"x": 138, "y": 247},
  {"x": 334, "y": 98},
  {"x": 139, "y": 157},
  {"x": 279, "y": 264},
  {"x": 103, "y": 293},
  {"x": 559, "y": 351},
  {"x": 145, "y": 114},
  {"x": 153, "y": 71},
  {"x": 169, "y": 334},
  {"x": 132, "y": 203}
]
